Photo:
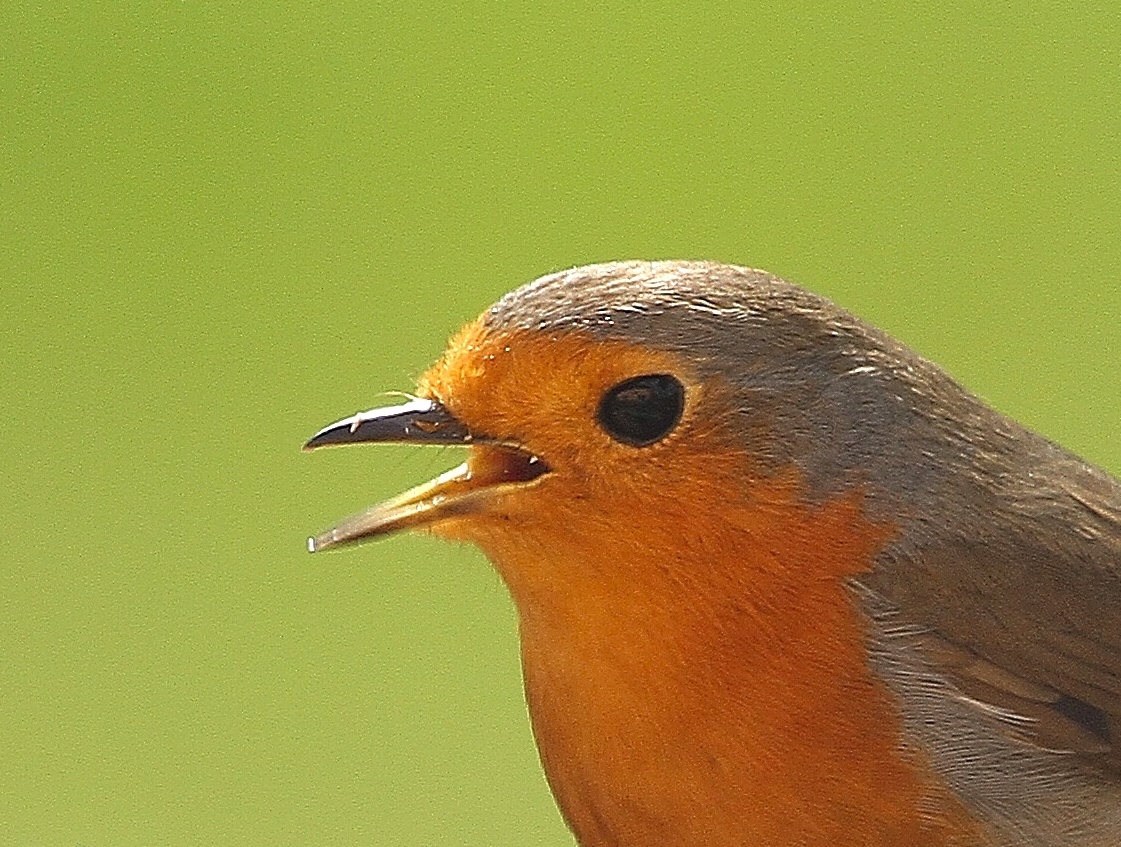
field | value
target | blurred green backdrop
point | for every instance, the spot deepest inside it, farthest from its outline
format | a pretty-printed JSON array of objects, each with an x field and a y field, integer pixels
[{"x": 223, "y": 227}]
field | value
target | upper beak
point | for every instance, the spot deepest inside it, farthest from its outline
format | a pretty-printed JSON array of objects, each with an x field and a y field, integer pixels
[
  {"x": 419, "y": 421},
  {"x": 492, "y": 468}
]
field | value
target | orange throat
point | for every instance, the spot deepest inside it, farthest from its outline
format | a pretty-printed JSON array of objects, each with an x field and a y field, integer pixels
[{"x": 705, "y": 682}]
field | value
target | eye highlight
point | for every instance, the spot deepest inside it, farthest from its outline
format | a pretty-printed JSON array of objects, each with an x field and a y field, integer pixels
[{"x": 642, "y": 410}]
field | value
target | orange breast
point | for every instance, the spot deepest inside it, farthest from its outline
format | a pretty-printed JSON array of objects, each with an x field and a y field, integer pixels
[{"x": 725, "y": 698}]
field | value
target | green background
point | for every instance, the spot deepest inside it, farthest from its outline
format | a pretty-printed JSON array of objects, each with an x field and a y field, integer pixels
[{"x": 223, "y": 227}]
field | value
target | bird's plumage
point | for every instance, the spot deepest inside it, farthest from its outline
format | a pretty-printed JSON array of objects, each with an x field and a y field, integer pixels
[{"x": 843, "y": 602}]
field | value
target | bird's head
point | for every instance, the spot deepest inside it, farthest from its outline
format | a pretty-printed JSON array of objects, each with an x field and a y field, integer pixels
[
  {"x": 694, "y": 478},
  {"x": 622, "y": 408}
]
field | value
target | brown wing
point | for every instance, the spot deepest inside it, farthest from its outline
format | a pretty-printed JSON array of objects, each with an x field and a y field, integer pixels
[{"x": 1024, "y": 612}]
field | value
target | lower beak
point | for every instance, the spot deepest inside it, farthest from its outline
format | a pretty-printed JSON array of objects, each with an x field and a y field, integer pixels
[{"x": 492, "y": 470}]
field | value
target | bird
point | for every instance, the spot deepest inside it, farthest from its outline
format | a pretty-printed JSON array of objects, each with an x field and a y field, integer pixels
[{"x": 779, "y": 580}]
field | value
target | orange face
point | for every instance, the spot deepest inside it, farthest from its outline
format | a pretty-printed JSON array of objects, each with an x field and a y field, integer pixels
[{"x": 541, "y": 394}]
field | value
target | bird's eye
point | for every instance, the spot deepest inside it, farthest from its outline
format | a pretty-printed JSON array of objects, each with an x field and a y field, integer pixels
[{"x": 642, "y": 410}]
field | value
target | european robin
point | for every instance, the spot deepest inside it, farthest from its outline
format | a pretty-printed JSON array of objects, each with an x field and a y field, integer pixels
[{"x": 779, "y": 580}]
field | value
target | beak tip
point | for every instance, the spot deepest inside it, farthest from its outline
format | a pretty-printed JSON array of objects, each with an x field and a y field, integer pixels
[
  {"x": 320, "y": 438},
  {"x": 311, "y": 546}
]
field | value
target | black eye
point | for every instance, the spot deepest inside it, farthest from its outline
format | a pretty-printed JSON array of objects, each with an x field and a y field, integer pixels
[{"x": 642, "y": 410}]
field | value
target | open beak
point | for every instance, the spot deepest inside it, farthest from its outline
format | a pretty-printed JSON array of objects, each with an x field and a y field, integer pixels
[{"x": 492, "y": 468}]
